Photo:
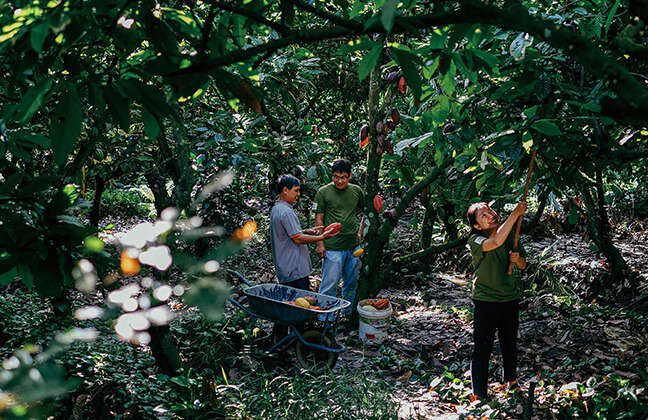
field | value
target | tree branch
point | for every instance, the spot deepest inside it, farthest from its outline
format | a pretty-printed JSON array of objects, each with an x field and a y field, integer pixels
[
  {"x": 436, "y": 249},
  {"x": 241, "y": 10},
  {"x": 326, "y": 15},
  {"x": 631, "y": 106}
]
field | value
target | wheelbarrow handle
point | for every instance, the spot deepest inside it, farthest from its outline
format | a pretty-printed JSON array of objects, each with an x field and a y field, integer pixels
[{"x": 240, "y": 276}]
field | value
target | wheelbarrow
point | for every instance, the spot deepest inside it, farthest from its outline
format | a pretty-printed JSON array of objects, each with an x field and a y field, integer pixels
[{"x": 315, "y": 348}]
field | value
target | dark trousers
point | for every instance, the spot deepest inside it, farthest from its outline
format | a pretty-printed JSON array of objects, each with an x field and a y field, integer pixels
[
  {"x": 303, "y": 283},
  {"x": 503, "y": 317}
]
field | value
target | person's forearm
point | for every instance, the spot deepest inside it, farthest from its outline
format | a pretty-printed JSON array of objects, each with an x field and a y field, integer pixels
[
  {"x": 319, "y": 221},
  {"x": 500, "y": 236},
  {"x": 307, "y": 239}
]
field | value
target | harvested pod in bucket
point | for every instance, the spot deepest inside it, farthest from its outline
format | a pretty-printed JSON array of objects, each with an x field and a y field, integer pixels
[{"x": 373, "y": 322}]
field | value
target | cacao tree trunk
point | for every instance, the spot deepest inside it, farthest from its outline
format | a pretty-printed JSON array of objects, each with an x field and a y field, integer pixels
[
  {"x": 157, "y": 185},
  {"x": 181, "y": 196},
  {"x": 164, "y": 350},
  {"x": 599, "y": 227},
  {"x": 95, "y": 211},
  {"x": 427, "y": 227}
]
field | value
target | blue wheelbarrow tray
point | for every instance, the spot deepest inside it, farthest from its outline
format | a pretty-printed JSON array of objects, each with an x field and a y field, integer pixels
[{"x": 270, "y": 301}]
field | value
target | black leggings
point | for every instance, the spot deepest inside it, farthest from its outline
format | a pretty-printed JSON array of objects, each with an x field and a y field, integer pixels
[{"x": 489, "y": 317}]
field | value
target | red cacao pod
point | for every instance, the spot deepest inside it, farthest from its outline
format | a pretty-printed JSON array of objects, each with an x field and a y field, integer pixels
[
  {"x": 391, "y": 125},
  {"x": 378, "y": 203},
  {"x": 364, "y": 132},
  {"x": 379, "y": 127},
  {"x": 335, "y": 226},
  {"x": 402, "y": 85},
  {"x": 395, "y": 116}
]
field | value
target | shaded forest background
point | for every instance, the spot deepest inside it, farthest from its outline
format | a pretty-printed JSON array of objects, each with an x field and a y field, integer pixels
[{"x": 183, "y": 113}]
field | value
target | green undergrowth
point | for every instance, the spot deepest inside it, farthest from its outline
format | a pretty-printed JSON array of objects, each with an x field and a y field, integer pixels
[{"x": 109, "y": 378}]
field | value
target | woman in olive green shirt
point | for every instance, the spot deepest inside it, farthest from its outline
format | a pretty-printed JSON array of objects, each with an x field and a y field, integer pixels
[{"x": 495, "y": 293}]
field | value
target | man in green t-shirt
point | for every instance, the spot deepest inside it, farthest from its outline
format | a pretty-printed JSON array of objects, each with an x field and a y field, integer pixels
[{"x": 339, "y": 201}]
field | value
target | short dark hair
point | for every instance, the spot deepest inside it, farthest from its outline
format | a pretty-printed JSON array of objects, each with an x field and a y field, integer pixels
[
  {"x": 288, "y": 181},
  {"x": 342, "y": 166},
  {"x": 471, "y": 214}
]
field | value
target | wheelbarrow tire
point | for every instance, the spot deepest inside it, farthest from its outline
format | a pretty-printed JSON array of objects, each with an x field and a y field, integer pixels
[{"x": 316, "y": 359}]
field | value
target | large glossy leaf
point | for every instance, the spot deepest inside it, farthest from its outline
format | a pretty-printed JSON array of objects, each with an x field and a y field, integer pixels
[
  {"x": 369, "y": 61},
  {"x": 118, "y": 106},
  {"x": 161, "y": 35},
  {"x": 31, "y": 102},
  {"x": 66, "y": 125},
  {"x": 409, "y": 64},
  {"x": 37, "y": 36},
  {"x": 546, "y": 127},
  {"x": 387, "y": 14}
]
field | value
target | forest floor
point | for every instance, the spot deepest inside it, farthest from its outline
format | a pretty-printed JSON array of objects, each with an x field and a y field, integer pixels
[
  {"x": 563, "y": 341},
  {"x": 570, "y": 348}
]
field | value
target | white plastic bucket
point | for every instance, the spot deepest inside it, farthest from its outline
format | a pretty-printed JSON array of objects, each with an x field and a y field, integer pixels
[{"x": 373, "y": 324}]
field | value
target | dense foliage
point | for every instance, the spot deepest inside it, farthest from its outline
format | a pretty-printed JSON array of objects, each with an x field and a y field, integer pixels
[{"x": 199, "y": 105}]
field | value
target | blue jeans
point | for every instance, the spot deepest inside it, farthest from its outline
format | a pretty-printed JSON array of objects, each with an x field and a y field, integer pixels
[{"x": 338, "y": 265}]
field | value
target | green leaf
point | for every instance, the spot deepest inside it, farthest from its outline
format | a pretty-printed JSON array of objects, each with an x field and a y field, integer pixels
[
  {"x": 8, "y": 277},
  {"x": 590, "y": 106},
  {"x": 151, "y": 125},
  {"x": 161, "y": 35},
  {"x": 29, "y": 140},
  {"x": 438, "y": 38},
  {"x": 441, "y": 110},
  {"x": 287, "y": 12},
  {"x": 369, "y": 62},
  {"x": 118, "y": 107},
  {"x": 546, "y": 127},
  {"x": 448, "y": 80},
  {"x": 610, "y": 16},
  {"x": 407, "y": 176},
  {"x": 25, "y": 275},
  {"x": 66, "y": 125},
  {"x": 573, "y": 216},
  {"x": 530, "y": 112},
  {"x": 519, "y": 46},
  {"x": 387, "y": 14},
  {"x": 32, "y": 100},
  {"x": 356, "y": 45},
  {"x": 47, "y": 277},
  {"x": 37, "y": 36},
  {"x": 488, "y": 59},
  {"x": 181, "y": 22},
  {"x": 409, "y": 64}
]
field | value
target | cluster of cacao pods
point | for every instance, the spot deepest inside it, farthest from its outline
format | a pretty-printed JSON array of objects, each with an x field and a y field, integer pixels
[
  {"x": 309, "y": 302},
  {"x": 394, "y": 77},
  {"x": 383, "y": 143},
  {"x": 379, "y": 304}
]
